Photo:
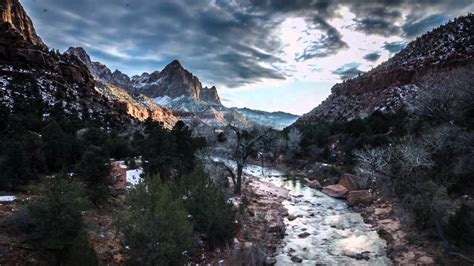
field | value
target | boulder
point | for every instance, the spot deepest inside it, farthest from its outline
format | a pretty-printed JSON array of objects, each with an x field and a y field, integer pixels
[
  {"x": 313, "y": 183},
  {"x": 357, "y": 197},
  {"x": 352, "y": 182},
  {"x": 335, "y": 191}
]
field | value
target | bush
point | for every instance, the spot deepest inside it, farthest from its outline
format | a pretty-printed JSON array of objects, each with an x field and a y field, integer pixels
[
  {"x": 154, "y": 225},
  {"x": 94, "y": 169},
  {"x": 54, "y": 219},
  {"x": 211, "y": 214},
  {"x": 459, "y": 227}
]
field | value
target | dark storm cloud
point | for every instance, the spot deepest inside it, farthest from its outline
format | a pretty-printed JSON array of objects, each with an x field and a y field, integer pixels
[
  {"x": 394, "y": 47},
  {"x": 231, "y": 42},
  {"x": 328, "y": 44},
  {"x": 348, "y": 71},
  {"x": 417, "y": 28},
  {"x": 372, "y": 57}
]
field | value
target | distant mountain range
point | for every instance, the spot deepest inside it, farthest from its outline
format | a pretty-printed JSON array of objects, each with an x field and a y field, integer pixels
[
  {"x": 387, "y": 87},
  {"x": 176, "y": 89}
]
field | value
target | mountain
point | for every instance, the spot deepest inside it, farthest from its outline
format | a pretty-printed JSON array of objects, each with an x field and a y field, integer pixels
[
  {"x": 113, "y": 85},
  {"x": 387, "y": 87},
  {"x": 173, "y": 81},
  {"x": 276, "y": 120},
  {"x": 37, "y": 82}
]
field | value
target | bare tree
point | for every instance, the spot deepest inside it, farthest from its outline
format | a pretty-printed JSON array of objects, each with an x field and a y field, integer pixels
[
  {"x": 243, "y": 144},
  {"x": 293, "y": 143},
  {"x": 445, "y": 97}
]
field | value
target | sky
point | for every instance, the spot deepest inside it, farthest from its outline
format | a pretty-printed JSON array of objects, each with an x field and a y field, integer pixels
[{"x": 272, "y": 55}]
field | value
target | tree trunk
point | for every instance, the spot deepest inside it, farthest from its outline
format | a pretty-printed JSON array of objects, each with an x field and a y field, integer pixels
[{"x": 237, "y": 187}]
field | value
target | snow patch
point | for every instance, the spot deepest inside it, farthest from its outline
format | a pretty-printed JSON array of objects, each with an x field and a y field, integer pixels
[
  {"x": 7, "y": 198},
  {"x": 134, "y": 176}
]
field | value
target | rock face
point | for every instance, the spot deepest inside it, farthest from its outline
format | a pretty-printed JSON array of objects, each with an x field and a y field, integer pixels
[
  {"x": 335, "y": 191},
  {"x": 13, "y": 13},
  {"x": 32, "y": 78},
  {"x": 137, "y": 105},
  {"x": 387, "y": 87}
]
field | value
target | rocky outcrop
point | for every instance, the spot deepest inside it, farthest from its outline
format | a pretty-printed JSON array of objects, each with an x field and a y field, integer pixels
[
  {"x": 210, "y": 95},
  {"x": 387, "y": 87},
  {"x": 13, "y": 13}
]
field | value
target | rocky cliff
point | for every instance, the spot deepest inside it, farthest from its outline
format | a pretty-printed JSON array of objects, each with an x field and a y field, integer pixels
[
  {"x": 34, "y": 80},
  {"x": 13, "y": 13},
  {"x": 387, "y": 87}
]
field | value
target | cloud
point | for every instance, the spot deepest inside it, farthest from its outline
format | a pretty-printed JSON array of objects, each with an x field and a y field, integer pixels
[
  {"x": 372, "y": 57},
  {"x": 328, "y": 44},
  {"x": 394, "y": 47},
  {"x": 231, "y": 43},
  {"x": 414, "y": 29},
  {"x": 348, "y": 71}
]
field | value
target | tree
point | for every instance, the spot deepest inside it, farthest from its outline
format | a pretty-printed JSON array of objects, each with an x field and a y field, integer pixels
[
  {"x": 55, "y": 217},
  {"x": 211, "y": 214},
  {"x": 294, "y": 142},
  {"x": 154, "y": 225},
  {"x": 58, "y": 147},
  {"x": 244, "y": 143},
  {"x": 94, "y": 169}
]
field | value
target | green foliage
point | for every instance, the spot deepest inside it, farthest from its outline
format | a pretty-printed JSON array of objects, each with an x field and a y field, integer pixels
[
  {"x": 60, "y": 149},
  {"x": 94, "y": 169},
  {"x": 211, "y": 214},
  {"x": 459, "y": 227},
  {"x": 55, "y": 217},
  {"x": 20, "y": 159},
  {"x": 81, "y": 253},
  {"x": 167, "y": 151},
  {"x": 155, "y": 226}
]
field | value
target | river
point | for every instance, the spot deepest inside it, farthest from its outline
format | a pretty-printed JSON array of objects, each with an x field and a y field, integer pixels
[{"x": 326, "y": 231}]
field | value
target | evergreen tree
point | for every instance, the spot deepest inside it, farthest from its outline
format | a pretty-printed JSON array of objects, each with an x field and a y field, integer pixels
[
  {"x": 55, "y": 217},
  {"x": 155, "y": 225},
  {"x": 211, "y": 214},
  {"x": 94, "y": 169}
]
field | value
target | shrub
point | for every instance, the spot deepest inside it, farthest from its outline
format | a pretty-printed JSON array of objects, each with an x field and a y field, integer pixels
[
  {"x": 211, "y": 214},
  {"x": 55, "y": 217},
  {"x": 459, "y": 227},
  {"x": 154, "y": 225}
]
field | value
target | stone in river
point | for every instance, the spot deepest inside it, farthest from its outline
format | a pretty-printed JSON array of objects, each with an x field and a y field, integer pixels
[
  {"x": 296, "y": 259},
  {"x": 291, "y": 217},
  {"x": 335, "y": 191},
  {"x": 304, "y": 235}
]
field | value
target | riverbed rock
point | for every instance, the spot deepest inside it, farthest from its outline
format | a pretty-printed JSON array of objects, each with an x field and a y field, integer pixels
[
  {"x": 352, "y": 182},
  {"x": 291, "y": 217},
  {"x": 270, "y": 261},
  {"x": 304, "y": 235},
  {"x": 335, "y": 191},
  {"x": 359, "y": 197},
  {"x": 296, "y": 259},
  {"x": 313, "y": 183}
]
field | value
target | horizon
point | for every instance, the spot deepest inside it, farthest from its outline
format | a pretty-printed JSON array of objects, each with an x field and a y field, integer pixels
[{"x": 272, "y": 56}]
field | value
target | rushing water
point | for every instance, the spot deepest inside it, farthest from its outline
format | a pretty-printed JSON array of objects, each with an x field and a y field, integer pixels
[{"x": 325, "y": 231}]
